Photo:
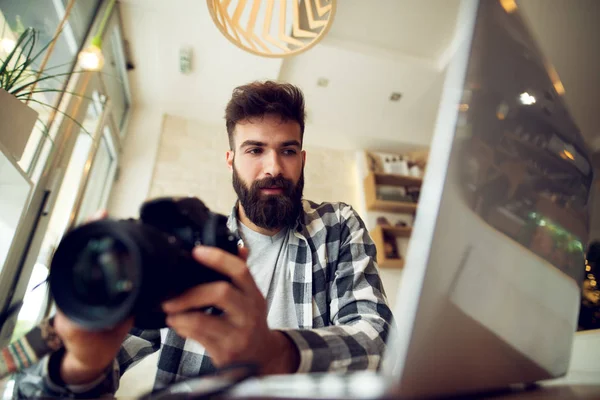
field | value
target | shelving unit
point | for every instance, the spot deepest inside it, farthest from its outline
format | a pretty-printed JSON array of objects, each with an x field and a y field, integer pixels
[
  {"x": 397, "y": 231},
  {"x": 378, "y": 233},
  {"x": 396, "y": 180},
  {"x": 371, "y": 182},
  {"x": 392, "y": 206},
  {"x": 373, "y": 203}
]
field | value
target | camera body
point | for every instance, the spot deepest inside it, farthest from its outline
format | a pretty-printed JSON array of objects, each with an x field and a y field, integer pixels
[{"x": 105, "y": 271}]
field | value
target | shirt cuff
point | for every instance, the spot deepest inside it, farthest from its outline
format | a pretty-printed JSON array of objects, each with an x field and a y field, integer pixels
[{"x": 305, "y": 352}]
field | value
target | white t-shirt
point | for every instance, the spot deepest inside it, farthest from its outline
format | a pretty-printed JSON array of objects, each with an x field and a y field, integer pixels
[{"x": 267, "y": 261}]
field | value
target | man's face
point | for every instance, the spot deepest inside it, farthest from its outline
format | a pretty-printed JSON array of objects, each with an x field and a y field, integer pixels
[{"x": 268, "y": 170}]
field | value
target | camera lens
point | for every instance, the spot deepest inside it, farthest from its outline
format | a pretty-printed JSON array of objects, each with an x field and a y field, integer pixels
[
  {"x": 96, "y": 272},
  {"x": 102, "y": 272},
  {"x": 106, "y": 271}
]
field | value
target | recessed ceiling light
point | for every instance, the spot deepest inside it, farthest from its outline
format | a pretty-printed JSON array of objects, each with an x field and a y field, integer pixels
[
  {"x": 322, "y": 82},
  {"x": 395, "y": 96}
]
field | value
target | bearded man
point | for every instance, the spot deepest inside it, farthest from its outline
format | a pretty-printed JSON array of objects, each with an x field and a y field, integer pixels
[{"x": 305, "y": 294}]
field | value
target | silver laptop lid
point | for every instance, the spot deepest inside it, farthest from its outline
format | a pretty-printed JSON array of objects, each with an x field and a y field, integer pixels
[{"x": 490, "y": 291}]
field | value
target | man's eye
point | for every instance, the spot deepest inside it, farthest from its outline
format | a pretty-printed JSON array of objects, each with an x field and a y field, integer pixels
[
  {"x": 254, "y": 151},
  {"x": 289, "y": 152}
]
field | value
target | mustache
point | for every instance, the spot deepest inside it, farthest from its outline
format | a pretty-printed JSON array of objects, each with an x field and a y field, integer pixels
[{"x": 274, "y": 182}]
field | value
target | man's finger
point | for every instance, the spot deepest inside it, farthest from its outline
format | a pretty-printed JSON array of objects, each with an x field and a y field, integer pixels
[
  {"x": 216, "y": 338},
  {"x": 219, "y": 294},
  {"x": 199, "y": 326},
  {"x": 227, "y": 264},
  {"x": 243, "y": 253}
]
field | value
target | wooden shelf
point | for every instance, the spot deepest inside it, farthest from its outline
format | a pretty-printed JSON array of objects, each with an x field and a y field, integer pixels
[
  {"x": 396, "y": 180},
  {"x": 391, "y": 263},
  {"x": 396, "y": 231},
  {"x": 378, "y": 238},
  {"x": 392, "y": 206},
  {"x": 375, "y": 204},
  {"x": 372, "y": 180}
]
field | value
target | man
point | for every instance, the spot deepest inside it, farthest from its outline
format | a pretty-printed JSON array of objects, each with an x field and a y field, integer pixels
[{"x": 306, "y": 297}]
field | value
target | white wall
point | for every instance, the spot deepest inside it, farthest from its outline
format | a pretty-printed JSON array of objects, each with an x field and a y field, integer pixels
[
  {"x": 136, "y": 163},
  {"x": 191, "y": 161}
]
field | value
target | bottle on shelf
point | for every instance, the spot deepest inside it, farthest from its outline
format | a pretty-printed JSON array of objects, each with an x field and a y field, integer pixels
[
  {"x": 395, "y": 165},
  {"x": 403, "y": 167},
  {"x": 414, "y": 170},
  {"x": 390, "y": 248},
  {"x": 387, "y": 165}
]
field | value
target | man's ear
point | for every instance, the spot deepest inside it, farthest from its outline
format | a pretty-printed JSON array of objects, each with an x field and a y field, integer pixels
[
  {"x": 230, "y": 154},
  {"x": 303, "y": 157}
]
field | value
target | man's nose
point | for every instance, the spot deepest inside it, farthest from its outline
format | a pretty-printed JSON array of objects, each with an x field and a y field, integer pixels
[{"x": 272, "y": 164}]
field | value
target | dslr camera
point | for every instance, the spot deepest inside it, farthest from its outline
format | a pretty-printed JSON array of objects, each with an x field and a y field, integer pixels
[{"x": 105, "y": 271}]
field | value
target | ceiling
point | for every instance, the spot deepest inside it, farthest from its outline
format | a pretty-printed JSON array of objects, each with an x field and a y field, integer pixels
[{"x": 373, "y": 49}]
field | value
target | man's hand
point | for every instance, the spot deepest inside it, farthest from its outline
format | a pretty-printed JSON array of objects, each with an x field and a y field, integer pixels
[
  {"x": 241, "y": 334},
  {"x": 87, "y": 353}
]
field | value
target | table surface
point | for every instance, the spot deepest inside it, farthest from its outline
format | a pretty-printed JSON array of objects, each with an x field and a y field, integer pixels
[
  {"x": 557, "y": 392},
  {"x": 552, "y": 391},
  {"x": 564, "y": 392}
]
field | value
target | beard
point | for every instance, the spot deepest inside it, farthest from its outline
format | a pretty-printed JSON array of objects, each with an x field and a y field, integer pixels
[{"x": 270, "y": 211}]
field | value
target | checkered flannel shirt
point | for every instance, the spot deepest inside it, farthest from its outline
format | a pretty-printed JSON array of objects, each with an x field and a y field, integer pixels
[{"x": 342, "y": 311}]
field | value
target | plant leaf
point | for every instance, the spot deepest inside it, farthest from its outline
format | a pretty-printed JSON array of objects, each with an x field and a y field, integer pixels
[
  {"x": 20, "y": 69},
  {"x": 64, "y": 114},
  {"x": 22, "y": 38},
  {"x": 45, "y": 78},
  {"x": 18, "y": 96}
]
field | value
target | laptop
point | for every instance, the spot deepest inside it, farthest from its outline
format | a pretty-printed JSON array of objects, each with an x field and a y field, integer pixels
[{"x": 490, "y": 292}]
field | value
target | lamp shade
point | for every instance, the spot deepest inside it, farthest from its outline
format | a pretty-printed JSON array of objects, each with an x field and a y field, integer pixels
[{"x": 273, "y": 28}]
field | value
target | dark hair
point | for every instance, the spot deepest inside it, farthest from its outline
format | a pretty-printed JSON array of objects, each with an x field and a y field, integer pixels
[{"x": 259, "y": 98}]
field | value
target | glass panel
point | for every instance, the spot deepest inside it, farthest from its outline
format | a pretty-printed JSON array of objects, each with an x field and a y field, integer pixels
[
  {"x": 115, "y": 75},
  {"x": 45, "y": 17},
  {"x": 100, "y": 179},
  {"x": 15, "y": 189},
  {"x": 41, "y": 162},
  {"x": 34, "y": 301}
]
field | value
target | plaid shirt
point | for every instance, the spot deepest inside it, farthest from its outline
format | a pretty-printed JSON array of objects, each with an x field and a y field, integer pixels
[{"x": 341, "y": 308}]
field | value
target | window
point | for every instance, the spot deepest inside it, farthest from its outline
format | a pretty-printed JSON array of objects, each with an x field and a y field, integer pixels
[
  {"x": 115, "y": 74},
  {"x": 46, "y": 17},
  {"x": 85, "y": 167},
  {"x": 34, "y": 303},
  {"x": 15, "y": 189},
  {"x": 100, "y": 179}
]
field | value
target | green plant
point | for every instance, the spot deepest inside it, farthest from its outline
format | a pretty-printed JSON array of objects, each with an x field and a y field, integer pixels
[{"x": 19, "y": 78}]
